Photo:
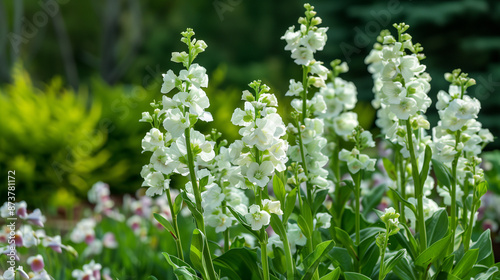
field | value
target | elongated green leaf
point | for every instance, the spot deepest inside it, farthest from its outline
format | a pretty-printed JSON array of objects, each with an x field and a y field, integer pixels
[
  {"x": 355, "y": 276},
  {"x": 244, "y": 223},
  {"x": 343, "y": 237},
  {"x": 393, "y": 261},
  {"x": 404, "y": 269},
  {"x": 312, "y": 261},
  {"x": 279, "y": 189},
  {"x": 483, "y": 243},
  {"x": 238, "y": 264},
  {"x": 151, "y": 277},
  {"x": 425, "y": 168},
  {"x": 165, "y": 223},
  {"x": 183, "y": 274},
  {"x": 448, "y": 264},
  {"x": 436, "y": 226},
  {"x": 290, "y": 200},
  {"x": 177, "y": 205},
  {"x": 304, "y": 227},
  {"x": 442, "y": 172},
  {"x": 277, "y": 225},
  {"x": 434, "y": 252},
  {"x": 390, "y": 169},
  {"x": 409, "y": 244},
  {"x": 404, "y": 201},
  {"x": 203, "y": 182},
  {"x": 466, "y": 263},
  {"x": 334, "y": 275},
  {"x": 319, "y": 198},
  {"x": 178, "y": 263},
  {"x": 196, "y": 252},
  {"x": 492, "y": 272},
  {"x": 196, "y": 214}
]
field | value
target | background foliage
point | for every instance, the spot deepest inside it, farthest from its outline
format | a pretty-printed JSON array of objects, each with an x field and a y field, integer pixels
[{"x": 112, "y": 53}]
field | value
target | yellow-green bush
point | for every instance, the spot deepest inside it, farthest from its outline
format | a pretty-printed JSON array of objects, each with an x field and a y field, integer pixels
[{"x": 50, "y": 138}]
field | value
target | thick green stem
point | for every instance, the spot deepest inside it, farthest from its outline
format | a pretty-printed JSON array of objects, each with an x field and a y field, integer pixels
[
  {"x": 194, "y": 182},
  {"x": 290, "y": 265},
  {"x": 178, "y": 242},
  {"x": 263, "y": 256},
  {"x": 418, "y": 189},
  {"x": 402, "y": 182},
  {"x": 466, "y": 239}
]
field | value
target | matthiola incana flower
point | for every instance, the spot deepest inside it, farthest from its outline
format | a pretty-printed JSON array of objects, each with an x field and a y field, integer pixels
[{"x": 257, "y": 218}]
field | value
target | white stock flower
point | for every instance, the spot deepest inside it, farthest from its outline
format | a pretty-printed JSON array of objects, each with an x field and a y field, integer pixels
[
  {"x": 257, "y": 218},
  {"x": 196, "y": 75},
  {"x": 259, "y": 174},
  {"x": 272, "y": 207}
]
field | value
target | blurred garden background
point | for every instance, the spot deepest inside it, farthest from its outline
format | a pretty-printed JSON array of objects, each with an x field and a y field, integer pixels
[{"x": 76, "y": 75}]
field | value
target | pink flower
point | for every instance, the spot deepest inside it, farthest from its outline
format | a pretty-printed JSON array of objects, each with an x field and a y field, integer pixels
[{"x": 36, "y": 263}]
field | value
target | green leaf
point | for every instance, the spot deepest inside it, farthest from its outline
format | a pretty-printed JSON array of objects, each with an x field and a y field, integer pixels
[
  {"x": 355, "y": 276},
  {"x": 279, "y": 189},
  {"x": 196, "y": 252},
  {"x": 343, "y": 237},
  {"x": 393, "y": 261},
  {"x": 177, "y": 205},
  {"x": 183, "y": 274},
  {"x": 437, "y": 226},
  {"x": 448, "y": 263},
  {"x": 442, "y": 172},
  {"x": 425, "y": 168},
  {"x": 434, "y": 252},
  {"x": 466, "y": 263},
  {"x": 492, "y": 272},
  {"x": 334, "y": 275},
  {"x": 390, "y": 169},
  {"x": 404, "y": 269},
  {"x": 404, "y": 201},
  {"x": 312, "y": 261},
  {"x": 341, "y": 258},
  {"x": 373, "y": 198},
  {"x": 238, "y": 264},
  {"x": 177, "y": 263},
  {"x": 291, "y": 198},
  {"x": 151, "y": 277},
  {"x": 304, "y": 227},
  {"x": 319, "y": 198},
  {"x": 277, "y": 225},
  {"x": 196, "y": 214},
  {"x": 165, "y": 223},
  {"x": 410, "y": 244},
  {"x": 203, "y": 182},
  {"x": 483, "y": 243},
  {"x": 244, "y": 223}
]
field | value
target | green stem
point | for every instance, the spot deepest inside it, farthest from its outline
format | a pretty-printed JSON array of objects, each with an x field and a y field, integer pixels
[
  {"x": 290, "y": 265},
  {"x": 466, "y": 240},
  {"x": 178, "y": 242},
  {"x": 192, "y": 174},
  {"x": 453, "y": 194},
  {"x": 402, "y": 186},
  {"x": 263, "y": 256},
  {"x": 381, "y": 275},
  {"x": 418, "y": 189}
]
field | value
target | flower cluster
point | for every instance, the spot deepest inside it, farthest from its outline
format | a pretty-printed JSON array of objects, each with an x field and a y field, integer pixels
[
  {"x": 459, "y": 138},
  {"x": 261, "y": 151},
  {"x": 401, "y": 85},
  {"x": 304, "y": 42},
  {"x": 340, "y": 97},
  {"x": 178, "y": 115},
  {"x": 355, "y": 160}
]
